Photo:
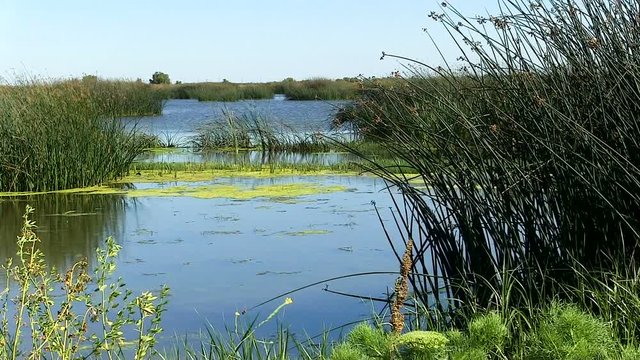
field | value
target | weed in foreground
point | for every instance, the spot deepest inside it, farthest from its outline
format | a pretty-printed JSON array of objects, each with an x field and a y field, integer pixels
[{"x": 76, "y": 314}]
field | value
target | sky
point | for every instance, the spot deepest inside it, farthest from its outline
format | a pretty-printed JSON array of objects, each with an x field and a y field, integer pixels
[{"x": 212, "y": 40}]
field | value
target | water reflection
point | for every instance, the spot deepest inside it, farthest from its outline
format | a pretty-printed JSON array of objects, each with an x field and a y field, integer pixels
[
  {"x": 247, "y": 157},
  {"x": 70, "y": 226}
]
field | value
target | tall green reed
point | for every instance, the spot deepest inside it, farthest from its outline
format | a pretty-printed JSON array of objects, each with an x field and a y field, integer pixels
[
  {"x": 63, "y": 135},
  {"x": 256, "y": 132},
  {"x": 527, "y": 156}
]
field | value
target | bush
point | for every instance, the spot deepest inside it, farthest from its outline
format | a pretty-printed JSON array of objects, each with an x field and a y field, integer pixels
[
  {"x": 567, "y": 333},
  {"x": 159, "y": 78}
]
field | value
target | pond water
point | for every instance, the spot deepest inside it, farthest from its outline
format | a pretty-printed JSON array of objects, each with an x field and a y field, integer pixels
[
  {"x": 182, "y": 118},
  {"x": 223, "y": 255},
  {"x": 184, "y": 155},
  {"x": 226, "y": 253}
]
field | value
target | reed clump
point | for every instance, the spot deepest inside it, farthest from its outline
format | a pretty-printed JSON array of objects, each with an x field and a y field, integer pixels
[
  {"x": 65, "y": 134},
  {"x": 318, "y": 89},
  {"x": 222, "y": 91},
  {"x": 254, "y": 132},
  {"x": 528, "y": 159},
  {"x": 120, "y": 98},
  {"x": 312, "y": 89}
]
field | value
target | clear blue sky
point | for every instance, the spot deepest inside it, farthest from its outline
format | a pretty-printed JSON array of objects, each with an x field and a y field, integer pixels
[{"x": 199, "y": 40}]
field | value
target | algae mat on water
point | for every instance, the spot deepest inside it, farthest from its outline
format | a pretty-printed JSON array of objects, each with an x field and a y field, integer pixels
[
  {"x": 275, "y": 191},
  {"x": 238, "y": 192},
  {"x": 162, "y": 176}
]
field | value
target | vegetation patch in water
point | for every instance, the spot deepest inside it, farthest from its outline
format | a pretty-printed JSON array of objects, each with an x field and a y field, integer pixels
[
  {"x": 281, "y": 192},
  {"x": 237, "y": 192},
  {"x": 154, "y": 176},
  {"x": 307, "y": 232}
]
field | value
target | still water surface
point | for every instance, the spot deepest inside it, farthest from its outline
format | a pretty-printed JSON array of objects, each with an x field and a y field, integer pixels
[
  {"x": 182, "y": 118},
  {"x": 224, "y": 255}
]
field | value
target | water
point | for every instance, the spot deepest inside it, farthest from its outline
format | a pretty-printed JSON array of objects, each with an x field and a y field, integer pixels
[
  {"x": 224, "y": 255},
  {"x": 182, "y": 118}
]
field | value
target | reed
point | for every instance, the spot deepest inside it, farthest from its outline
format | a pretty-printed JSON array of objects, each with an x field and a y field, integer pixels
[
  {"x": 527, "y": 157},
  {"x": 312, "y": 89},
  {"x": 64, "y": 135},
  {"x": 318, "y": 89},
  {"x": 224, "y": 91},
  {"x": 253, "y": 131},
  {"x": 120, "y": 98}
]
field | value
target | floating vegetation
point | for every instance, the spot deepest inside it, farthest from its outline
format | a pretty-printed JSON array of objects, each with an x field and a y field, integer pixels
[
  {"x": 204, "y": 173},
  {"x": 278, "y": 273},
  {"x": 220, "y": 232},
  {"x": 73, "y": 213},
  {"x": 307, "y": 232},
  {"x": 278, "y": 192}
]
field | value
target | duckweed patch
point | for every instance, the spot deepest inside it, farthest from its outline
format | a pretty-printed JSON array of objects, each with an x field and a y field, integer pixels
[
  {"x": 279, "y": 192},
  {"x": 154, "y": 176},
  {"x": 237, "y": 192},
  {"x": 307, "y": 232}
]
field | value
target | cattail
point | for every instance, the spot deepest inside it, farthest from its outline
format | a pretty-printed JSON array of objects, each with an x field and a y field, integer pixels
[{"x": 402, "y": 289}]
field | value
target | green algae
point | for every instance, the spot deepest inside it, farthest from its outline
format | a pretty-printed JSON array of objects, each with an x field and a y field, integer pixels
[
  {"x": 279, "y": 192},
  {"x": 236, "y": 192},
  {"x": 159, "y": 176},
  {"x": 285, "y": 193},
  {"x": 307, "y": 232}
]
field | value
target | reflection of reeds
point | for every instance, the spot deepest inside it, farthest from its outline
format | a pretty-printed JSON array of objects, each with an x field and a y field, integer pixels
[
  {"x": 69, "y": 225},
  {"x": 528, "y": 160}
]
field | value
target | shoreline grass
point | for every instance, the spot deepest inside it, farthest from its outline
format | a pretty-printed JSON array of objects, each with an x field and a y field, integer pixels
[{"x": 66, "y": 134}]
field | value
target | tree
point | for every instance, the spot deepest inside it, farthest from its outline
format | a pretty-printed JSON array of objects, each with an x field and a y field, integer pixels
[{"x": 159, "y": 78}]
